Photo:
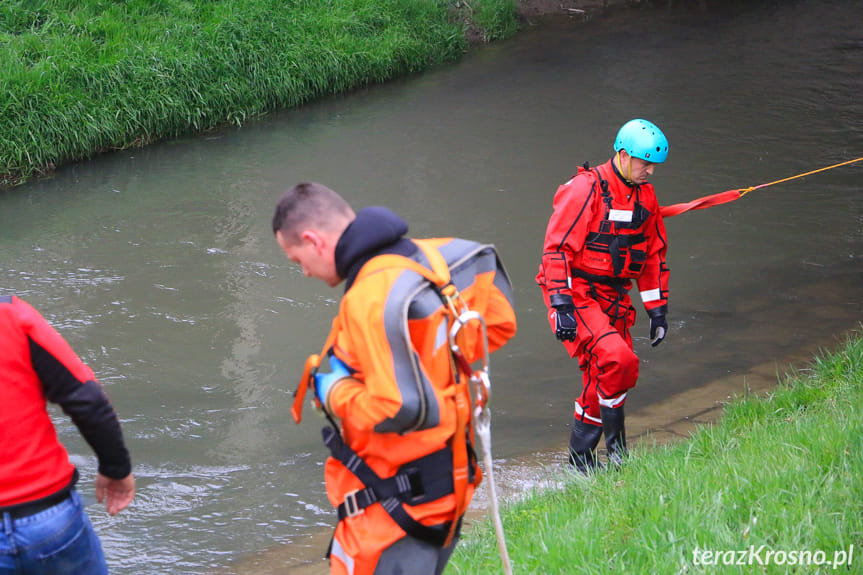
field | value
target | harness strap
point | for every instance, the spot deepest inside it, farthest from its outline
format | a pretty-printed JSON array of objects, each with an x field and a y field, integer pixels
[
  {"x": 461, "y": 459},
  {"x": 599, "y": 241},
  {"x": 435, "y": 535},
  {"x": 462, "y": 448},
  {"x": 438, "y": 276},
  {"x": 616, "y": 283},
  {"x": 420, "y": 481}
]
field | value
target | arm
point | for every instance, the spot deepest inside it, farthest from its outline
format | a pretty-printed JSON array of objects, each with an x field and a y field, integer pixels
[
  {"x": 564, "y": 238},
  {"x": 565, "y": 235},
  {"x": 389, "y": 388},
  {"x": 71, "y": 384},
  {"x": 491, "y": 296},
  {"x": 653, "y": 282},
  {"x": 499, "y": 318}
]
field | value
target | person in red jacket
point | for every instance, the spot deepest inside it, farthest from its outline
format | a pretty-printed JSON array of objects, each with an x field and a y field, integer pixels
[
  {"x": 44, "y": 526},
  {"x": 606, "y": 231}
]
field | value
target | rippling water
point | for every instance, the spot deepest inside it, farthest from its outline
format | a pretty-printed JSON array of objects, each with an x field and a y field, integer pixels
[{"x": 158, "y": 265}]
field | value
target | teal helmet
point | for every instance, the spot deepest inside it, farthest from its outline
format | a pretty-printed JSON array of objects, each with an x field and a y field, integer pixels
[{"x": 642, "y": 139}]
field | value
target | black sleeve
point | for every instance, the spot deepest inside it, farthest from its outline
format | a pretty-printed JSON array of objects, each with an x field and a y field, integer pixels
[{"x": 88, "y": 407}]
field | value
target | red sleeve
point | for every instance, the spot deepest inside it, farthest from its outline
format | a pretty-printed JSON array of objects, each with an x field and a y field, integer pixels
[
  {"x": 69, "y": 383},
  {"x": 566, "y": 232},
  {"x": 653, "y": 282}
]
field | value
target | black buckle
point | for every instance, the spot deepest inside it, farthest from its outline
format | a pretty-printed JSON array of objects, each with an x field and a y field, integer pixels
[{"x": 416, "y": 482}]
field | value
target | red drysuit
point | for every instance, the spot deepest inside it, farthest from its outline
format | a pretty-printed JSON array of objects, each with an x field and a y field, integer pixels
[{"x": 603, "y": 234}]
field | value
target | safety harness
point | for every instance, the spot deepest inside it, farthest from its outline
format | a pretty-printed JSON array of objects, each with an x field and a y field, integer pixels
[
  {"x": 438, "y": 474},
  {"x": 626, "y": 250},
  {"x": 422, "y": 480}
]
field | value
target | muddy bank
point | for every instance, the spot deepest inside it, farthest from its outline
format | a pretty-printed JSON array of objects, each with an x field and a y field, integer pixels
[{"x": 528, "y": 9}]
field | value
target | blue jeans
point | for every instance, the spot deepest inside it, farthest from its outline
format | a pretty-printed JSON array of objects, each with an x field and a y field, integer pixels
[{"x": 57, "y": 541}]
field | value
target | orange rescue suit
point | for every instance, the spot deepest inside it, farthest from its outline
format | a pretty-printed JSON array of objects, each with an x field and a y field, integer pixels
[
  {"x": 602, "y": 235},
  {"x": 400, "y": 403}
]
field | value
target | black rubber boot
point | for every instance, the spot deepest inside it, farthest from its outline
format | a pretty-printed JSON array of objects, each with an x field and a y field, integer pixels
[
  {"x": 582, "y": 445},
  {"x": 615, "y": 433}
]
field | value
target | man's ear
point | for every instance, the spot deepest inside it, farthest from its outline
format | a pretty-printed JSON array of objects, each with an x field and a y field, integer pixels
[{"x": 314, "y": 238}]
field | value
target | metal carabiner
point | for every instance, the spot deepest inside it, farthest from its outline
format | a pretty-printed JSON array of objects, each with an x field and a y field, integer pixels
[{"x": 479, "y": 377}]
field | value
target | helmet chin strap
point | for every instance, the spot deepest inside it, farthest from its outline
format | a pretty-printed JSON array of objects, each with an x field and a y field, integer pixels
[{"x": 628, "y": 176}]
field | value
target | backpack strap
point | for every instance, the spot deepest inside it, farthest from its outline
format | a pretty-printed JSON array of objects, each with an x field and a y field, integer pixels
[{"x": 439, "y": 274}]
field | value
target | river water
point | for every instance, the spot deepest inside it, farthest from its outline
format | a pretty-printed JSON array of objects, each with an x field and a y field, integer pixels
[{"x": 159, "y": 267}]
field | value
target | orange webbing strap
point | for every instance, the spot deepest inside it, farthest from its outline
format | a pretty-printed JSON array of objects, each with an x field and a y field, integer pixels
[
  {"x": 439, "y": 275},
  {"x": 460, "y": 463},
  {"x": 700, "y": 203},
  {"x": 307, "y": 379}
]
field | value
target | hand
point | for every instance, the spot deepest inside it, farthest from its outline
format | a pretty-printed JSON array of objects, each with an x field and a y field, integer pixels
[
  {"x": 325, "y": 381},
  {"x": 658, "y": 328},
  {"x": 116, "y": 493},
  {"x": 565, "y": 325}
]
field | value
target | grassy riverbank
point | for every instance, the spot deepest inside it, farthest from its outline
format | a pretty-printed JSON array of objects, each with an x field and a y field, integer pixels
[
  {"x": 80, "y": 77},
  {"x": 777, "y": 484}
]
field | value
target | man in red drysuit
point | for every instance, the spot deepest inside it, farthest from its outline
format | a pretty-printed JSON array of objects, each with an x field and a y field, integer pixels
[{"x": 605, "y": 231}]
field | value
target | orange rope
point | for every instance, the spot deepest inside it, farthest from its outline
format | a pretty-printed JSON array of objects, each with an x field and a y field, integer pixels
[
  {"x": 731, "y": 195},
  {"x": 744, "y": 191}
]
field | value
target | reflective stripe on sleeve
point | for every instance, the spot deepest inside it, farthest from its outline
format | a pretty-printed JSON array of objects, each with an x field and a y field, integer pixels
[{"x": 650, "y": 295}]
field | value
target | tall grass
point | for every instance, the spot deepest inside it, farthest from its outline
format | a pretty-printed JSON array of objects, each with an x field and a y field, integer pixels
[
  {"x": 784, "y": 472},
  {"x": 82, "y": 76}
]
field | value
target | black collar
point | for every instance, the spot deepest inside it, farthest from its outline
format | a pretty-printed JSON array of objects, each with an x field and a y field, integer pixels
[{"x": 376, "y": 230}]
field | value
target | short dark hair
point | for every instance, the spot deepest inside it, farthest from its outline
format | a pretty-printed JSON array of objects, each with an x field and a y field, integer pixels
[{"x": 308, "y": 204}]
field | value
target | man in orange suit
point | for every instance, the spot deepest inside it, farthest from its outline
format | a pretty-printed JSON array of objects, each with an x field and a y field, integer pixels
[{"x": 403, "y": 469}]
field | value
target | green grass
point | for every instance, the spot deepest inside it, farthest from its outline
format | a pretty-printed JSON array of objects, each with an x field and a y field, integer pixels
[
  {"x": 79, "y": 77},
  {"x": 784, "y": 472}
]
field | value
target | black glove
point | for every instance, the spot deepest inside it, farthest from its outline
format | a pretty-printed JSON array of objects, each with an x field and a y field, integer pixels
[
  {"x": 658, "y": 325},
  {"x": 565, "y": 325}
]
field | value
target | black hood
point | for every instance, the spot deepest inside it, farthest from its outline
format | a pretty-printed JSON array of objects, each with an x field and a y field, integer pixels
[{"x": 376, "y": 230}]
